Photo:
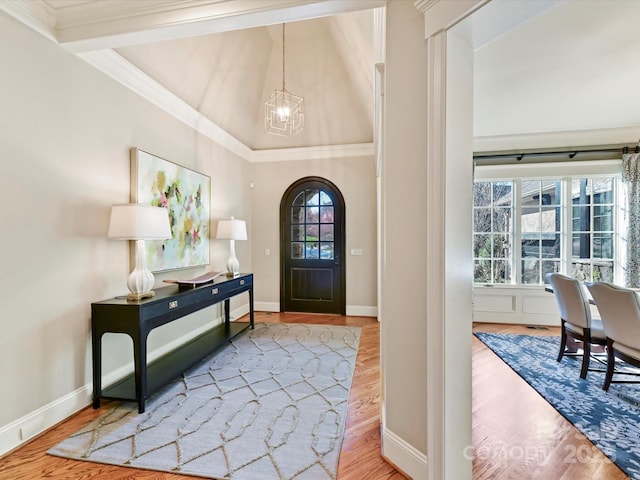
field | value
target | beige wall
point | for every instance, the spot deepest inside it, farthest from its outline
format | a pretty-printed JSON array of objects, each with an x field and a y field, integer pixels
[
  {"x": 355, "y": 177},
  {"x": 65, "y": 134}
]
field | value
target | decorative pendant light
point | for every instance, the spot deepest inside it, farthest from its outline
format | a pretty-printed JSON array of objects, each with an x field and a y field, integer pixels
[{"x": 283, "y": 111}]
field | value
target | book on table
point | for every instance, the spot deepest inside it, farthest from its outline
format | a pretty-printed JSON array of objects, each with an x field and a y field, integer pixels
[{"x": 194, "y": 282}]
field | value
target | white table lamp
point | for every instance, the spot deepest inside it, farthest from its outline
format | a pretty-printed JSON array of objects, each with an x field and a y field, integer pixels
[
  {"x": 139, "y": 222},
  {"x": 232, "y": 230}
]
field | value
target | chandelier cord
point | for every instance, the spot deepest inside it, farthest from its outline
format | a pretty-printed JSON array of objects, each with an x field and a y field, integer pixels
[{"x": 283, "y": 84}]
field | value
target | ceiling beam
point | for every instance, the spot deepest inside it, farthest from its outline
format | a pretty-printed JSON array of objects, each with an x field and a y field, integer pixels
[{"x": 106, "y": 24}]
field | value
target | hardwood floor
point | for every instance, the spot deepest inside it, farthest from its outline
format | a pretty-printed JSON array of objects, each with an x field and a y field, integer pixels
[
  {"x": 360, "y": 457},
  {"x": 516, "y": 433}
]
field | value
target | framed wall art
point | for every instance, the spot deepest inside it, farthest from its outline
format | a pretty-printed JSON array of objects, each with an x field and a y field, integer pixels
[{"x": 187, "y": 196}]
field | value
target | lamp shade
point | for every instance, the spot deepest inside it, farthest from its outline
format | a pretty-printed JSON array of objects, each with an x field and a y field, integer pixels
[
  {"x": 133, "y": 221},
  {"x": 232, "y": 229}
]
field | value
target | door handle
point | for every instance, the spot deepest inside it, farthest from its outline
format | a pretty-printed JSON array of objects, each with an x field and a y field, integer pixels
[{"x": 337, "y": 259}]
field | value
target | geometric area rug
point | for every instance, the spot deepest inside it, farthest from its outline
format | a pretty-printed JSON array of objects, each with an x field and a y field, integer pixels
[
  {"x": 270, "y": 405},
  {"x": 610, "y": 420}
]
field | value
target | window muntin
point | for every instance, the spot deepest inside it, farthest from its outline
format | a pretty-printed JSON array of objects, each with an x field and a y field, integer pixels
[
  {"x": 555, "y": 231},
  {"x": 493, "y": 231},
  {"x": 312, "y": 225}
]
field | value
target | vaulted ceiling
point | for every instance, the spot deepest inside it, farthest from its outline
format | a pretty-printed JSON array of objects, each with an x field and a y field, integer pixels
[
  {"x": 228, "y": 76},
  {"x": 540, "y": 66},
  {"x": 217, "y": 61}
]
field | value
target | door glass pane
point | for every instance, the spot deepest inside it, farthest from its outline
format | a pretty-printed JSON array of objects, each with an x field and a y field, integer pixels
[
  {"x": 325, "y": 199},
  {"x": 313, "y": 197},
  {"x": 312, "y": 214},
  {"x": 312, "y": 229},
  {"x": 297, "y": 250},
  {"x": 326, "y": 214},
  {"x": 326, "y": 233},
  {"x": 313, "y": 232},
  {"x": 297, "y": 233},
  {"x": 311, "y": 250},
  {"x": 299, "y": 200},
  {"x": 297, "y": 215},
  {"x": 326, "y": 250}
]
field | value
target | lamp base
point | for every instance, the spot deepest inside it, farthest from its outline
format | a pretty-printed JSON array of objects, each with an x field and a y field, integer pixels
[{"x": 136, "y": 297}]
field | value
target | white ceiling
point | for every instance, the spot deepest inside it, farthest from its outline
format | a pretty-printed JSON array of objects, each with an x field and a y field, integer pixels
[
  {"x": 540, "y": 66},
  {"x": 573, "y": 67}
]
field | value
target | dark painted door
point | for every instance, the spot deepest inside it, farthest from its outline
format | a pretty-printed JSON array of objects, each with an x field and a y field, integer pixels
[{"x": 312, "y": 248}]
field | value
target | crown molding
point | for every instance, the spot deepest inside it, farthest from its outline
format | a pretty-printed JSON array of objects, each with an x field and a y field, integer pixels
[
  {"x": 313, "y": 153},
  {"x": 35, "y": 14},
  {"x": 118, "y": 68},
  {"x": 425, "y": 5}
]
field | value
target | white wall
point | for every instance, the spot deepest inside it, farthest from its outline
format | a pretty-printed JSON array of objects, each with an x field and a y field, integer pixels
[
  {"x": 355, "y": 177},
  {"x": 404, "y": 200},
  {"x": 65, "y": 134}
]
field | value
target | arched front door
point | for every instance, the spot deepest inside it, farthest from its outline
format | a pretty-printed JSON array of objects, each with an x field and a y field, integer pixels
[{"x": 312, "y": 248}]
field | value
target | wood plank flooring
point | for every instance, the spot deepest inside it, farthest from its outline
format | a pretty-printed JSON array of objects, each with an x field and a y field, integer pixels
[
  {"x": 516, "y": 433},
  {"x": 360, "y": 457}
]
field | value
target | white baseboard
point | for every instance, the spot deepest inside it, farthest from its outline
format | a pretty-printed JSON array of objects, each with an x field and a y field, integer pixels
[
  {"x": 352, "y": 310},
  {"x": 23, "y": 429},
  {"x": 362, "y": 311},
  {"x": 404, "y": 456},
  {"x": 266, "y": 306},
  {"x": 18, "y": 432}
]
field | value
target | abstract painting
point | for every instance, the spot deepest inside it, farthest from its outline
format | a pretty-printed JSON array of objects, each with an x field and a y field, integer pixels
[{"x": 186, "y": 194}]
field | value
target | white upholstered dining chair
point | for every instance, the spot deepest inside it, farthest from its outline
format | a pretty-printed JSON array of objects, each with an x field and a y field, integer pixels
[
  {"x": 576, "y": 319},
  {"x": 620, "y": 311}
]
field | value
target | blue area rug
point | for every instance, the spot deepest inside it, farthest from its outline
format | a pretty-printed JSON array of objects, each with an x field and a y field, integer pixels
[{"x": 611, "y": 420}]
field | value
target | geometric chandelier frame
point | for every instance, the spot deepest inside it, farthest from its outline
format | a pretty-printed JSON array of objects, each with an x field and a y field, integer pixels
[{"x": 283, "y": 111}]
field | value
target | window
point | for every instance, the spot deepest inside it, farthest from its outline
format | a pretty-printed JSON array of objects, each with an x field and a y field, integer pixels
[
  {"x": 493, "y": 231},
  {"x": 592, "y": 229},
  {"x": 312, "y": 225},
  {"x": 540, "y": 229},
  {"x": 526, "y": 228}
]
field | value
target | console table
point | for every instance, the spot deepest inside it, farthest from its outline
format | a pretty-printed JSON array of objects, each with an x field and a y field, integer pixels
[{"x": 137, "y": 319}]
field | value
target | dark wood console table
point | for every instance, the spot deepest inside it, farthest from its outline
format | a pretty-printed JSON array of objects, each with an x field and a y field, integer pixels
[{"x": 137, "y": 319}]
